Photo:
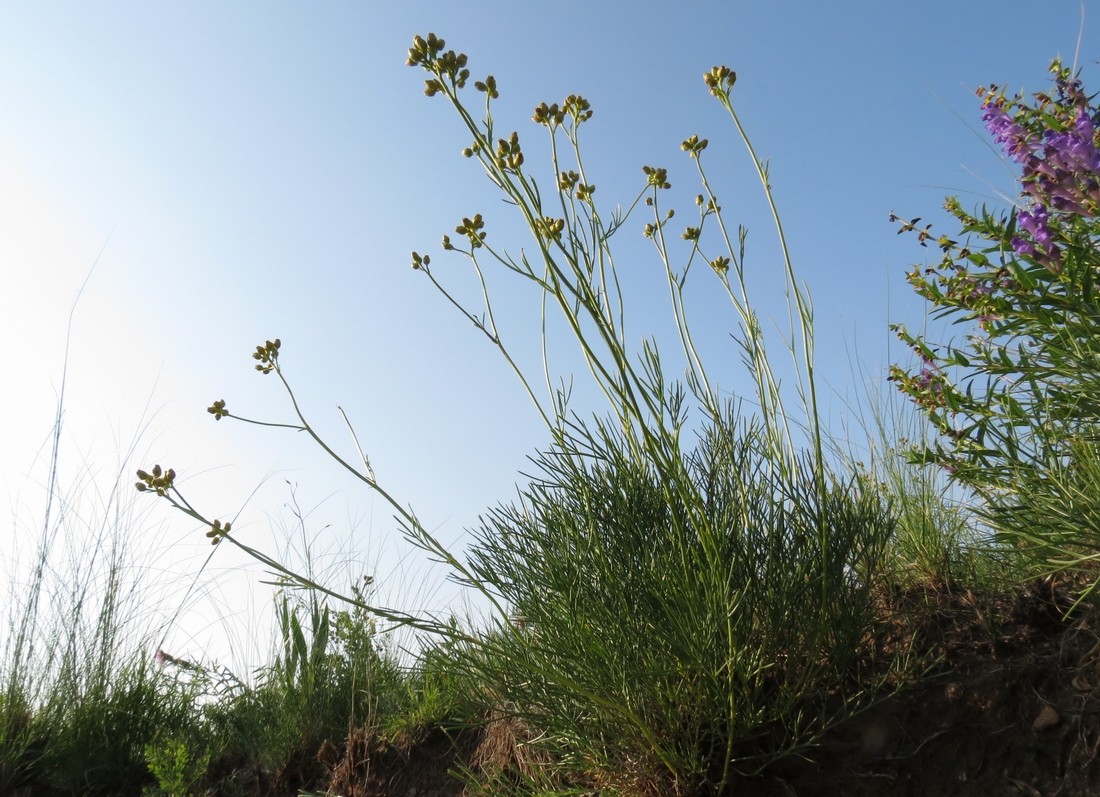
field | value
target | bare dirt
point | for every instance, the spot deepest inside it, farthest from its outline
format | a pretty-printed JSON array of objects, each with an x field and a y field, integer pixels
[{"x": 1009, "y": 704}]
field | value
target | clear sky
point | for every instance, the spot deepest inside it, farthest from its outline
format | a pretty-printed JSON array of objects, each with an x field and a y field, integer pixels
[{"x": 249, "y": 170}]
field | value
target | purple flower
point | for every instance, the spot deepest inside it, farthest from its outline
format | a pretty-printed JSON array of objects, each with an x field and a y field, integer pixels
[
  {"x": 1012, "y": 137},
  {"x": 1084, "y": 125},
  {"x": 1023, "y": 247},
  {"x": 1034, "y": 222}
]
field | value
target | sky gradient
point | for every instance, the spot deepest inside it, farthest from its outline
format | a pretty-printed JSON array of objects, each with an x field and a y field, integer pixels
[{"x": 244, "y": 171}]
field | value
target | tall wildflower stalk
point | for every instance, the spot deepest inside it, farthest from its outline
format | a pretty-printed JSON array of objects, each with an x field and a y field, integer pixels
[
  {"x": 575, "y": 271},
  {"x": 633, "y": 545}
]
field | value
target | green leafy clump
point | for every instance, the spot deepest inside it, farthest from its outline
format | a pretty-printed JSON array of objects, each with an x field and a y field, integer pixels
[
  {"x": 176, "y": 765},
  {"x": 679, "y": 636}
]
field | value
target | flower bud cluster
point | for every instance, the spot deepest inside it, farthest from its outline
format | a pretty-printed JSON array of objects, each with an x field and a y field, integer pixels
[
  {"x": 508, "y": 155},
  {"x": 553, "y": 115},
  {"x": 578, "y": 107},
  {"x": 658, "y": 178},
  {"x": 449, "y": 65},
  {"x": 549, "y": 228},
  {"x": 720, "y": 80},
  {"x": 694, "y": 145},
  {"x": 472, "y": 229},
  {"x": 268, "y": 355},
  {"x": 550, "y": 115},
  {"x": 569, "y": 180},
  {"x": 218, "y": 531},
  {"x": 159, "y": 481},
  {"x": 488, "y": 86},
  {"x": 721, "y": 265},
  {"x": 424, "y": 51}
]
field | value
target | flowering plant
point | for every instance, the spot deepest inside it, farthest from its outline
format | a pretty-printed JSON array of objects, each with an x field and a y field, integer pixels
[{"x": 1017, "y": 401}]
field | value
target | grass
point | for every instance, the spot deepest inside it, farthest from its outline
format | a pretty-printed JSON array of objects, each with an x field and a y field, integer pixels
[
  {"x": 940, "y": 536},
  {"x": 85, "y": 707},
  {"x": 81, "y": 698},
  {"x": 676, "y": 605}
]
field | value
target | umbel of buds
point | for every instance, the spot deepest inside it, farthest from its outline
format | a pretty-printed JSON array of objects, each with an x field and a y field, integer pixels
[
  {"x": 549, "y": 228},
  {"x": 658, "y": 178},
  {"x": 159, "y": 481},
  {"x": 449, "y": 65},
  {"x": 218, "y": 530},
  {"x": 268, "y": 355},
  {"x": 720, "y": 80},
  {"x": 694, "y": 145},
  {"x": 488, "y": 86},
  {"x": 473, "y": 229}
]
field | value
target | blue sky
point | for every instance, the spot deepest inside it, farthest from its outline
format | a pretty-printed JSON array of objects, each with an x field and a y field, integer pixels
[{"x": 251, "y": 170}]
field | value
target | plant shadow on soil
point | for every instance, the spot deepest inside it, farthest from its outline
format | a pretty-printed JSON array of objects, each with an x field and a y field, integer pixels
[{"x": 1010, "y": 705}]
